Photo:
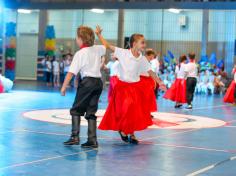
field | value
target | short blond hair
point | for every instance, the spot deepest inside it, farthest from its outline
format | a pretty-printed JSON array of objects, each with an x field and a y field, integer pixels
[{"x": 86, "y": 34}]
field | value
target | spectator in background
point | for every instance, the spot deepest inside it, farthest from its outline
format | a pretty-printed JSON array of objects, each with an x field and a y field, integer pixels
[
  {"x": 67, "y": 64},
  {"x": 218, "y": 84},
  {"x": 48, "y": 69},
  {"x": 44, "y": 68},
  {"x": 56, "y": 72},
  {"x": 62, "y": 65},
  {"x": 210, "y": 85}
]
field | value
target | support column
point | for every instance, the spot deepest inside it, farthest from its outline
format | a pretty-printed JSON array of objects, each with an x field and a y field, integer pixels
[
  {"x": 205, "y": 27},
  {"x": 230, "y": 28},
  {"x": 120, "y": 37},
  {"x": 43, "y": 21}
]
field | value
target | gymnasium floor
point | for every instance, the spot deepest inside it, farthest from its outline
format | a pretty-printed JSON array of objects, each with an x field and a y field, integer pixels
[{"x": 182, "y": 142}]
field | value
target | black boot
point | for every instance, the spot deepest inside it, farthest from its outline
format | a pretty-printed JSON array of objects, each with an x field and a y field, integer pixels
[
  {"x": 92, "y": 136},
  {"x": 74, "y": 139},
  {"x": 133, "y": 140}
]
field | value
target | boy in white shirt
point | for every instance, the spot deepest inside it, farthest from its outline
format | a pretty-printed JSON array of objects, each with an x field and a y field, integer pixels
[
  {"x": 48, "y": 69},
  {"x": 191, "y": 71},
  {"x": 87, "y": 62}
]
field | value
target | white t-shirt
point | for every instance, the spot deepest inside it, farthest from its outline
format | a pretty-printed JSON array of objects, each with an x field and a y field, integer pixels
[
  {"x": 48, "y": 66},
  {"x": 146, "y": 73},
  {"x": 130, "y": 67},
  {"x": 66, "y": 66},
  {"x": 113, "y": 66},
  {"x": 155, "y": 64},
  {"x": 180, "y": 72},
  {"x": 87, "y": 61},
  {"x": 191, "y": 70},
  {"x": 56, "y": 67}
]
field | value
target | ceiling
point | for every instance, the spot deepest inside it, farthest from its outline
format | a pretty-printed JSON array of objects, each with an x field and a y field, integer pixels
[{"x": 121, "y": 4}]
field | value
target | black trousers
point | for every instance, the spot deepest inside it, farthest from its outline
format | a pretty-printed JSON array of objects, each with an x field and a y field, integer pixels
[
  {"x": 191, "y": 84},
  {"x": 87, "y": 97}
]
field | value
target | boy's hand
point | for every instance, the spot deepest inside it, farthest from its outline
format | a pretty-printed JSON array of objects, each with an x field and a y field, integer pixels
[
  {"x": 98, "y": 30},
  {"x": 63, "y": 91}
]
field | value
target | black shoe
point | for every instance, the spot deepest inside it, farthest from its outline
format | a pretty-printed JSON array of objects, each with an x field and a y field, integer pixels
[
  {"x": 178, "y": 106},
  {"x": 90, "y": 145},
  {"x": 72, "y": 141},
  {"x": 133, "y": 140},
  {"x": 124, "y": 138}
]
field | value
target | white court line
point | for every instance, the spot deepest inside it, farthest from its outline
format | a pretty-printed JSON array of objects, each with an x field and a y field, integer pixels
[
  {"x": 230, "y": 126},
  {"x": 200, "y": 171},
  {"x": 44, "y": 159},
  {"x": 190, "y": 147},
  {"x": 172, "y": 134},
  {"x": 168, "y": 145},
  {"x": 62, "y": 134},
  {"x": 10, "y": 131},
  {"x": 206, "y": 107},
  {"x": 48, "y": 133}
]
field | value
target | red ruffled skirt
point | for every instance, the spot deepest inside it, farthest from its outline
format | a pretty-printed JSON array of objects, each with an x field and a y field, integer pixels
[
  {"x": 177, "y": 92},
  {"x": 1, "y": 88},
  {"x": 149, "y": 89},
  {"x": 229, "y": 95},
  {"x": 113, "y": 82},
  {"x": 126, "y": 111}
]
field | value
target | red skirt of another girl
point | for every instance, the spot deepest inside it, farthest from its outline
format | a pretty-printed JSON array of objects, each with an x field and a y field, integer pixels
[
  {"x": 126, "y": 111},
  {"x": 149, "y": 93},
  {"x": 113, "y": 82},
  {"x": 177, "y": 92},
  {"x": 229, "y": 95},
  {"x": 1, "y": 88}
]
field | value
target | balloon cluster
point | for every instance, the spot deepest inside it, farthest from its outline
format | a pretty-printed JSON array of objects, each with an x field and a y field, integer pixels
[
  {"x": 10, "y": 52},
  {"x": 169, "y": 59},
  {"x": 211, "y": 62},
  {"x": 50, "y": 42}
]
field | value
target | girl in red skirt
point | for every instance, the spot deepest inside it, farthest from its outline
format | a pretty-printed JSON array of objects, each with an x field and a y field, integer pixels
[
  {"x": 177, "y": 91},
  {"x": 126, "y": 111},
  {"x": 230, "y": 95},
  {"x": 150, "y": 84},
  {"x": 113, "y": 67}
]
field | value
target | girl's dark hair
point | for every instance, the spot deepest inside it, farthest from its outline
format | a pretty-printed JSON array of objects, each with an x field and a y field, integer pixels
[
  {"x": 134, "y": 38},
  {"x": 150, "y": 52},
  {"x": 182, "y": 59}
]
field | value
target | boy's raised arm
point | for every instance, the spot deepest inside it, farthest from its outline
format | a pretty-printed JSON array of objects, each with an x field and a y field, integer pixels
[{"x": 98, "y": 32}]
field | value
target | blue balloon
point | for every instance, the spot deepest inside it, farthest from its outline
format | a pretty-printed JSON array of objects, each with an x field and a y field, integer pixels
[
  {"x": 10, "y": 29},
  {"x": 170, "y": 54},
  {"x": 166, "y": 59},
  {"x": 213, "y": 59},
  {"x": 50, "y": 32},
  {"x": 203, "y": 59},
  {"x": 220, "y": 63}
]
